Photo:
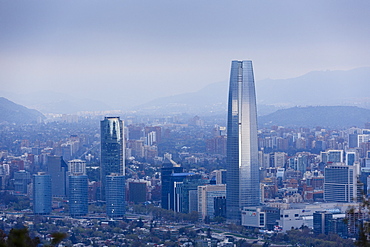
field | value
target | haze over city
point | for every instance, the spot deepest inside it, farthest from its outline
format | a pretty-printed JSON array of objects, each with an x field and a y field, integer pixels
[
  {"x": 126, "y": 53},
  {"x": 184, "y": 123}
]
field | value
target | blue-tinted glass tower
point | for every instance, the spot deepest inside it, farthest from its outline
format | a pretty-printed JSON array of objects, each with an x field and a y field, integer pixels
[
  {"x": 112, "y": 149},
  {"x": 78, "y": 193},
  {"x": 115, "y": 195},
  {"x": 243, "y": 187},
  {"x": 42, "y": 193}
]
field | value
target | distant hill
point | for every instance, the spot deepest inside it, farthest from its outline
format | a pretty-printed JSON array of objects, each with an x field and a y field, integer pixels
[
  {"x": 210, "y": 100},
  {"x": 315, "y": 88},
  {"x": 312, "y": 116},
  {"x": 55, "y": 102},
  {"x": 336, "y": 87},
  {"x": 13, "y": 113}
]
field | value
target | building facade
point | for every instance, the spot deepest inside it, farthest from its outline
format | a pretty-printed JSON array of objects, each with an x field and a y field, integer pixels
[
  {"x": 57, "y": 168},
  {"x": 115, "y": 195},
  {"x": 340, "y": 183},
  {"x": 206, "y": 198},
  {"x": 243, "y": 187},
  {"x": 22, "y": 179},
  {"x": 42, "y": 193},
  {"x": 78, "y": 195},
  {"x": 112, "y": 149}
]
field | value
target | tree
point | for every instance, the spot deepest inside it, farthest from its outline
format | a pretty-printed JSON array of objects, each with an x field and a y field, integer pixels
[
  {"x": 358, "y": 221},
  {"x": 21, "y": 238}
]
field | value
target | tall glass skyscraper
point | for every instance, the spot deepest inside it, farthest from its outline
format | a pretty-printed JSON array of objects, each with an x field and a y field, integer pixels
[
  {"x": 243, "y": 187},
  {"x": 42, "y": 193},
  {"x": 115, "y": 195},
  {"x": 77, "y": 188},
  {"x": 112, "y": 149},
  {"x": 78, "y": 195}
]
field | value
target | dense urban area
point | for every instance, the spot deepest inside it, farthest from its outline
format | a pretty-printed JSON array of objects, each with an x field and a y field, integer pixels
[{"x": 311, "y": 179}]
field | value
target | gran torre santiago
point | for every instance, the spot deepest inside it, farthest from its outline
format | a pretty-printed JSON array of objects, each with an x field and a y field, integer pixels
[{"x": 243, "y": 187}]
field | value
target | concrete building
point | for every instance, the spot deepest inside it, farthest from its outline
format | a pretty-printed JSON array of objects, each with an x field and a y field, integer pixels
[
  {"x": 340, "y": 183},
  {"x": 206, "y": 198}
]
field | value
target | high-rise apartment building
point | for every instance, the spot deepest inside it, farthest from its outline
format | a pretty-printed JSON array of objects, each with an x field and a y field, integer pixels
[
  {"x": 42, "y": 193},
  {"x": 112, "y": 150},
  {"x": 243, "y": 188}
]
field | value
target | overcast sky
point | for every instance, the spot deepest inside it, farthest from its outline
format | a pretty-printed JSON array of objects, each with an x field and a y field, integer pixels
[{"x": 126, "y": 52}]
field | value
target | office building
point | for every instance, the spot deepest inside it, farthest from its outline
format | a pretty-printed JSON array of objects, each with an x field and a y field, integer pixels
[
  {"x": 186, "y": 191},
  {"x": 169, "y": 167},
  {"x": 243, "y": 188},
  {"x": 340, "y": 183},
  {"x": 220, "y": 176},
  {"x": 115, "y": 195},
  {"x": 206, "y": 198},
  {"x": 57, "y": 169},
  {"x": 220, "y": 207},
  {"x": 77, "y": 166},
  {"x": 353, "y": 140},
  {"x": 321, "y": 222},
  {"x": 335, "y": 156},
  {"x": 42, "y": 193},
  {"x": 22, "y": 179},
  {"x": 137, "y": 192},
  {"x": 78, "y": 195},
  {"x": 112, "y": 149}
]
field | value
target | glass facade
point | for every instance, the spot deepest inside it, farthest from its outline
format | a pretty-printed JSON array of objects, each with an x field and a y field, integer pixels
[
  {"x": 340, "y": 183},
  {"x": 78, "y": 193},
  {"x": 115, "y": 195},
  {"x": 242, "y": 146},
  {"x": 42, "y": 194},
  {"x": 112, "y": 149}
]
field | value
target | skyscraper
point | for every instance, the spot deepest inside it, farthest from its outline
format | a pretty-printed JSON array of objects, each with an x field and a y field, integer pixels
[
  {"x": 57, "y": 169},
  {"x": 112, "y": 149},
  {"x": 243, "y": 186},
  {"x": 42, "y": 193},
  {"x": 78, "y": 188},
  {"x": 78, "y": 195},
  {"x": 115, "y": 195},
  {"x": 340, "y": 183}
]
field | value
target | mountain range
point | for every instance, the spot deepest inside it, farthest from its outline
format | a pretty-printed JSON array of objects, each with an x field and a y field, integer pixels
[
  {"x": 349, "y": 88},
  {"x": 11, "y": 112},
  {"x": 312, "y": 116}
]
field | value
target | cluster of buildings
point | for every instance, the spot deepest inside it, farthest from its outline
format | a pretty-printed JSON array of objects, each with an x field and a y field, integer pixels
[{"x": 272, "y": 179}]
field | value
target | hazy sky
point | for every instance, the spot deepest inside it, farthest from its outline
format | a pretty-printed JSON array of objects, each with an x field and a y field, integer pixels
[{"x": 125, "y": 52}]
